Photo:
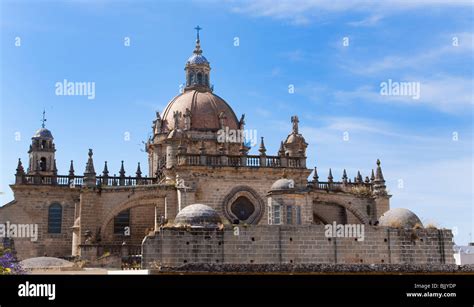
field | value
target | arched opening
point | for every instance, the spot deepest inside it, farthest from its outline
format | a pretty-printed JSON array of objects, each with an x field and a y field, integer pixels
[
  {"x": 43, "y": 164},
  {"x": 242, "y": 208},
  {"x": 43, "y": 144},
  {"x": 199, "y": 78},
  {"x": 207, "y": 79},
  {"x": 55, "y": 215}
]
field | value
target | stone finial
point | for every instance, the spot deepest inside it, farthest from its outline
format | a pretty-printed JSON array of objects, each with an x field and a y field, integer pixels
[
  {"x": 139, "y": 171},
  {"x": 372, "y": 176},
  {"x": 281, "y": 151},
  {"x": 344, "y": 176},
  {"x": 379, "y": 182},
  {"x": 105, "y": 172},
  {"x": 89, "y": 174},
  {"x": 71, "y": 169},
  {"x": 359, "y": 177},
  {"x": 262, "y": 148},
  {"x": 90, "y": 164},
  {"x": 122, "y": 171},
  {"x": 19, "y": 168},
  {"x": 330, "y": 177},
  {"x": 367, "y": 180},
  {"x": 315, "y": 175},
  {"x": 378, "y": 173}
]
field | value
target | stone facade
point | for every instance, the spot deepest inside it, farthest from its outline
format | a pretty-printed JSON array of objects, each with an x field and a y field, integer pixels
[{"x": 188, "y": 163}]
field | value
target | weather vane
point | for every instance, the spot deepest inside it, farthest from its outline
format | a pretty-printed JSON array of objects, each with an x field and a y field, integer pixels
[{"x": 44, "y": 118}]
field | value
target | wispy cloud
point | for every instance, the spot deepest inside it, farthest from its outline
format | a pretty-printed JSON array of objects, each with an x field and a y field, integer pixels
[
  {"x": 366, "y": 22},
  {"x": 302, "y": 12},
  {"x": 464, "y": 47},
  {"x": 444, "y": 93}
]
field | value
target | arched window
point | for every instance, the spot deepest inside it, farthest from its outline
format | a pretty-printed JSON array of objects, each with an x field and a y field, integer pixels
[
  {"x": 121, "y": 221},
  {"x": 43, "y": 164},
  {"x": 368, "y": 210},
  {"x": 199, "y": 78},
  {"x": 43, "y": 144},
  {"x": 207, "y": 79},
  {"x": 55, "y": 215}
]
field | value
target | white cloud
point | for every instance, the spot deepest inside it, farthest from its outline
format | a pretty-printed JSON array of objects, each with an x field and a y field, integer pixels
[
  {"x": 447, "y": 94},
  {"x": 366, "y": 22},
  {"x": 421, "y": 60},
  {"x": 305, "y": 11}
]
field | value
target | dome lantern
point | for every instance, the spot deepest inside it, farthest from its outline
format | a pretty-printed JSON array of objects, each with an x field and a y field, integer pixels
[{"x": 197, "y": 68}]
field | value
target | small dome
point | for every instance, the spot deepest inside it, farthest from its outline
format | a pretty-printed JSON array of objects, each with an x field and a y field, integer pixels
[
  {"x": 198, "y": 215},
  {"x": 197, "y": 59},
  {"x": 295, "y": 139},
  {"x": 401, "y": 218},
  {"x": 43, "y": 133},
  {"x": 283, "y": 184}
]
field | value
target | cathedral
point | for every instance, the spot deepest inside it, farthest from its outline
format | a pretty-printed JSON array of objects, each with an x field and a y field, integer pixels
[{"x": 205, "y": 197}]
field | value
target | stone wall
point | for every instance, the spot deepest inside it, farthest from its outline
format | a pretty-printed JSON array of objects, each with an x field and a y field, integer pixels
[
  {"x": 263, "y": 244},
  {"x": 31, "y": 207}
]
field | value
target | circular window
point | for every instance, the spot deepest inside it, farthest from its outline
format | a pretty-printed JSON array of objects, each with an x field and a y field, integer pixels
[
  {"x": 242, "y": 208},
  {"x": 244, "y": 204}
]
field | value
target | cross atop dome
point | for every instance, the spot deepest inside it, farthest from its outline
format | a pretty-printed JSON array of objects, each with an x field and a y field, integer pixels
[
  {"x": 197, "y": 28},
  {"x": 43, "y": 120}
]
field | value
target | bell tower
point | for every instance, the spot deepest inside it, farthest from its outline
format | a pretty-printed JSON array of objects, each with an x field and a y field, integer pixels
[{"x": 42, "y": 151}]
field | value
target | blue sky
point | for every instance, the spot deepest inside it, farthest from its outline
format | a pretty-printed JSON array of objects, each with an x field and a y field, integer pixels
[{"x": 281, "y": 43}]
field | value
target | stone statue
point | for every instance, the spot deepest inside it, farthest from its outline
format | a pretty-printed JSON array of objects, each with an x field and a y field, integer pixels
[
  {"x": 157, "y": 123},
  {"x": 176, "y": 116},
  {"x": 222, "y": 118},
  {"x": 295, "y": 121},
  {"x": 242, "y": 122},
  {"x": 187, "y": 119}
]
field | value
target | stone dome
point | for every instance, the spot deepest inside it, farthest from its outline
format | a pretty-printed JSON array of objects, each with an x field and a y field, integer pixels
[
  {"x": 401, "y": 218},
  {"x": 205, "y": 109},
  {"x": 283, "y": 184},
  {"x": 43, "y": 133},
  {"x": 197, "y": 59},
  {"x": 198, "y": 215},
  {"x": 295, "y": 139}
]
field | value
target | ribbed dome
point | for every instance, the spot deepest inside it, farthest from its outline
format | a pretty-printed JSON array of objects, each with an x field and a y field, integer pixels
[
  {"x": 197, "y": 59},
  {"x": 198, "y": 215},
  {"x": 205, "y": 109},
  {"x": 400, "y": 218},
  {"x": 43, "y": 133}
]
